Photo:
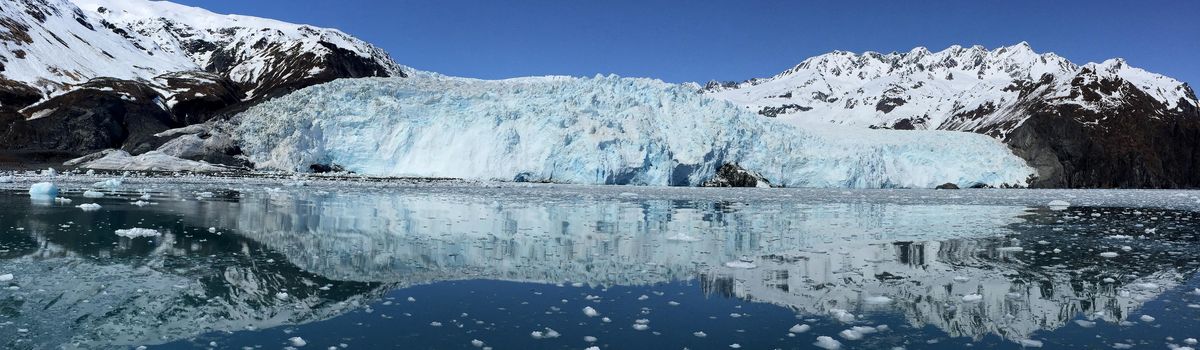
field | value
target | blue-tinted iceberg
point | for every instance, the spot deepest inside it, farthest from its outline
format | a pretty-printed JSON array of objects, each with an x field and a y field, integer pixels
[{"x": 602, "y": 130}]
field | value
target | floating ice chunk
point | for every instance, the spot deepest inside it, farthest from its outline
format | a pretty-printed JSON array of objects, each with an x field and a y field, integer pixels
[
  {"x": 700, "y": 334},
  {"x": 641, "y": 324},
  {"x": 43, "y": 190},
  {"x": 1030, "y": 343},
  {"x": 1010, "y": 249},
  {"x": 1191, "y": 341},
  {"x": 878, "y": 299},
  {"x": 89, "y": 206},
  {"x": 61, "y": 200},
  {"x": 435, "y": 324},
  {"x": 138, "y": 232},
  {"x": 411, "y": 299},
  {"x": 970, "y": 298},
  {"x": 110, "y": 183},
  {"x": 740, "y": 264},
  {"x": 842, "y": 315},
  {"x": 281, "y": 295},
  {"x": 6, "y": 277},
  {"x": 477, "y": 343},
  {"x": 827, "y": 343},
  {"x": 1151, "y": 231},
  {"x": 606, "y": 320},
  {"x": 212, "y": 230},
  {"x": 961, "y": 279},
  {"x": 297, "y": 341},
  {"x": 1122, "y": 346},
  {"x": 850, "y": 334},
  {"x": 1058, "y": 204},
  {"x": 1146, "y": 286},
  {"x": 799, "y": 328},
  {"x": 1146, "y": 318},
  {"x": 5, "y": 179},
  {"x": 590, "y": 312},
  {"x": 643, "y": 297},
  {"x": 589, "y": 339},
  {"x": 592, "y": 348},
  {"x": 141, "y": 203},
  {"x": 92, "y": 194},
  {"x": 735, "y": 346},
  {"x": 1109, "y": 254},
  {"x": 145, "y": 196}
]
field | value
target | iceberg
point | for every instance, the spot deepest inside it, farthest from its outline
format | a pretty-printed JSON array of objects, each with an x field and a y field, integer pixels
[{"x": 601, "y": 130}]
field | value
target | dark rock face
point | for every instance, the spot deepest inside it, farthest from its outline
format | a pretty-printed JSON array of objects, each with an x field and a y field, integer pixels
[
  {"x": 947, "y": 186},
  {"x": 14, "y": 95},
  {"x": 103, "y": 113},
  {"x": 732, "y": 175},
  {"x": 1136, "y": 143},
  {"x": 196, "y": 97}
]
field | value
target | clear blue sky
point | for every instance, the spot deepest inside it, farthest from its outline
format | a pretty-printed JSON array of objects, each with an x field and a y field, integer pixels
[{"x": 701, "y": 40}]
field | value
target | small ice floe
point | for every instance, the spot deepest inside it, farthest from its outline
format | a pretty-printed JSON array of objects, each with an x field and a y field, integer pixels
[
  {"x": 281, "y": 295},
  {"x": 477, "y": 343},
  {"x": 1196, "y": 292},
  {"x": 878, "y": 300},
  {"x": 850, "y": 334},
  {"x": 61, "y": 200},
  {"x": 1010, "y": 249},
  {"x": 700, "y": 334},
  {"x": 297, "y": 341},
  {"x": 411, "y": 299},
  {"x": 1146, "y": 318},
  {"x": 735, "y": 346},
  {"x": 5, "y": 179},
  {"x": 141, "y": 203},
  {"x": 641, "y": 324},
  {"x": 799, "y": 328},
  {"x": 1030, "y": 343},
  {"x": 1190, "y": 341},
  {"x": 92, "y": 194},
  {"x": 547, "y": 334},
  {"x": 1151, "y": 231},
  {"x": 110, "y": 183},
  {"x": 682, "y": 237},
  {"x": 205, "y": 195},
  {"x": 1109, "y": 254},
  {"x": 43, "y": 190},
  {"x": 1058, "y": 205},
  {"x": 961, "y": 279},
  {"x": 589, "y": 339},
  {"x": 970, "y": 298},
  {"x": 6, "y": 277},
  {"x": 742, "y": 263},
  {"x": 89, "y": 206},
  {"x": 592, "y": 348},
  {"x": 1146, "y": 286},
  {"x": 643, "y": 297},
  {"x": 435, "y": 324},
  {"x": 842, "y": 315},
  {"x": 827, "y": 343},
  {"x": 138, "y": 232},
  {"x": 606, "y": 320},
  {"x": 145, "y": 196},
  {"x": 590, "y": 312}
]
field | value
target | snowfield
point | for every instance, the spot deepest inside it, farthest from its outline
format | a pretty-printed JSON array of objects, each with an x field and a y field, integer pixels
[{"x": 601, "y": 130}]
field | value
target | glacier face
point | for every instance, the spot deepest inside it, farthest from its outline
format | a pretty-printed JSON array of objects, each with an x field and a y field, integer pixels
[{"x": 601, "y": 130}]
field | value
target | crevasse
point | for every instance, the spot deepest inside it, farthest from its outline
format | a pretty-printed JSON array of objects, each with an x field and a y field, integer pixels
[{"x": 601, "y": 130}]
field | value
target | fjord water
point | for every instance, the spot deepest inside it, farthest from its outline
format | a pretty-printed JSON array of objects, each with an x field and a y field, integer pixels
[{"x": 511, "y": 267}]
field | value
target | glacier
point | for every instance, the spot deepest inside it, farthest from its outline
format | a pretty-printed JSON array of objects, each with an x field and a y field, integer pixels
[{"x": 599, "y": 130}]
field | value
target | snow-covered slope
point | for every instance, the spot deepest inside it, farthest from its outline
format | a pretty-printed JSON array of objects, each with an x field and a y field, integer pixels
[
  {"x": 247, "y": 49},
  {"x": 48, "y": 43},
  {"x": 602, "y": 130},
  {"x": 959, "y": 88}
]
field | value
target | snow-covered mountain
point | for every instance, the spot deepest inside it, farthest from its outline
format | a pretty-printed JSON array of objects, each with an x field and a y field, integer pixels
[
  {"x": 602, "y": 130},
  {"x": 997, "y": 92},
  {"x": 79, "y": 76}
]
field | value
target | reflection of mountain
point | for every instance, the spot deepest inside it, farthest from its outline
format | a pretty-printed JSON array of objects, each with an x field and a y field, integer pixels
[
  {"x": 83, "y": 287},
  {"x": 813, "y": 258}
]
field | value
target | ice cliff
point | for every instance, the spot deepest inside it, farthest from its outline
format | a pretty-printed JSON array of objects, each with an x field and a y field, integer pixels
[{"x": 601, "y": 130}]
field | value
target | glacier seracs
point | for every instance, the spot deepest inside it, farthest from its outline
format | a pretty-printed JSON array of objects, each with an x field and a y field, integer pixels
[{"x": 601, "y": 130}]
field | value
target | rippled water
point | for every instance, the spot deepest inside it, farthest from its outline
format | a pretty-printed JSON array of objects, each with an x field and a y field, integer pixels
[{"x": 258, "y": 264}]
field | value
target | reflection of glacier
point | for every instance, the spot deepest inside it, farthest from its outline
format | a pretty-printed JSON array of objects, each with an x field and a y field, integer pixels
[
  {"x": 78, "y": 291},
  {"x": 813, "y": 258}
]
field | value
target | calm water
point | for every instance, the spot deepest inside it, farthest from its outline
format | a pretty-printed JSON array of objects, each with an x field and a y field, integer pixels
[{"x": 268, "y": 265}]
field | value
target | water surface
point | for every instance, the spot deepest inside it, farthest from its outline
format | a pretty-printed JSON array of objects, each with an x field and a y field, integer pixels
[{"x": 274, "y": 265}]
